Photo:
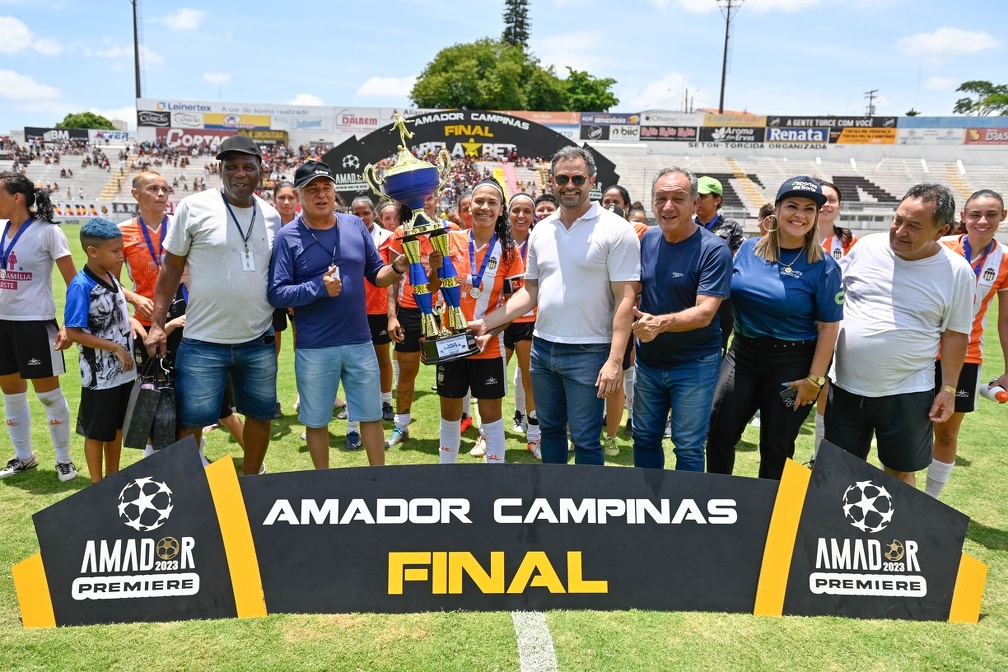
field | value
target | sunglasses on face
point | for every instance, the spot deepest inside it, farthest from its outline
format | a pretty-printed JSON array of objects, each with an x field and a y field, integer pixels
[{"x": 578, "y": 180}]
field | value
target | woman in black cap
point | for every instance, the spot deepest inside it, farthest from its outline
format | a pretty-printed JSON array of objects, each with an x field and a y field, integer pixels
[{"x": 788, "y": 304}]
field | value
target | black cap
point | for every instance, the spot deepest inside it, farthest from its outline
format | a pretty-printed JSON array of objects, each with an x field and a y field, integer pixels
[
  {"x": 802, "y": 186},
  {"x": 239, "y": 143},
  {"x": 309, "y": 170}
]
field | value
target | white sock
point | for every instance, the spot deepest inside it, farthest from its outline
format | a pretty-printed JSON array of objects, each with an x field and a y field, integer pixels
[
  {"x": 395, "y": 373},
  {"x": 820, "y": 430},
  {"x": 494, "y": 432},
  {"x": 202, "y": 456},
  {"x": 148, "y": 450},
  {"x": 402, "y": 421},
  {"x": 534, "y": 433},
  {"x": 519, "y": 391},
  {"x": 58, "y": 414},
  {"x": 386, "y": 397},
  {"x": 467, "y": 403},
  {"x": 451, "y": 439},
  {"x": 353, "y": 426},
  {"x": 937, "y": 476},
  {"x": 19, "y": 424}
]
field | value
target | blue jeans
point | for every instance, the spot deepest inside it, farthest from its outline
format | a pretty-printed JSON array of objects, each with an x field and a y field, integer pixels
[
  {"x": 687, "y": 390},
  {"x": 202, "y": 373},
  {"x": 563, "y": 382}
]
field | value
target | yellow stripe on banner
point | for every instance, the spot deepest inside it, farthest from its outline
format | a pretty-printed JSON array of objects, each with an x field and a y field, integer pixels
[
  {"x": 780, "y": 541},
  {"x": 237, "y": 533},
  {"x": 33, "y": 593},
  {"x": 968, "y": 593}
]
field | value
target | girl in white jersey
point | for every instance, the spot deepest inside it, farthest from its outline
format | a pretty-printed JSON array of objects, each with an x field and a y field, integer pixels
[
  {"x": 836, "y": 241},
  {"x": 30, "y": 340}
]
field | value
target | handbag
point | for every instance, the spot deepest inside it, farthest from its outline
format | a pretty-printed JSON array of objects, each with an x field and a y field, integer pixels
[
  {"x": 164, "y": 426},
  {"x": 140, "y": 410}
]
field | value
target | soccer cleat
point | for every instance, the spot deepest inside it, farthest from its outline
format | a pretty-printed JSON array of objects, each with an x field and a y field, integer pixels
[
  {"x": 388, "y": 413},
  {"x": 353, "y": 440},
  {"x": 519, "y": 423},
  {"x": 479, "y": 450},
  {"x": 17, "y": 466},
  {"x": 465, "y": 423},
  {"x": 397, "y": 437},
  {"x": 66, "y": 471},
  {"x": 342, "y": 413},
  {"x": 611, "y": 449},
  {"x": 535, "y": 447},
  {"x": 668, "y": 428}
]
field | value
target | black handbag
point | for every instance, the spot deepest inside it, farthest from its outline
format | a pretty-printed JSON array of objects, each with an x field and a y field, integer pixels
[
  {"x": 140, "y": 411},
  {"x": 162, "y": 431}
]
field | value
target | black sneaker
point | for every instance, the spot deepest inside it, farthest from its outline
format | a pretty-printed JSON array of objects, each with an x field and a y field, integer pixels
[
  {"x": 388, "y": 413},
  {"x": 277, "y": 413}
]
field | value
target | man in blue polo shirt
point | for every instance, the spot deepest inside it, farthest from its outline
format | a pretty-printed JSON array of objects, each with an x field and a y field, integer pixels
[
  {"x": 319, "y": 266},
  {"x": 685, "y": 274}
]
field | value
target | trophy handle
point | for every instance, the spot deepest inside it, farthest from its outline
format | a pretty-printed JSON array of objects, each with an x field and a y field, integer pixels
[
  {"x": 444, "y": 166},
  {"x": 371, "y": 177}
]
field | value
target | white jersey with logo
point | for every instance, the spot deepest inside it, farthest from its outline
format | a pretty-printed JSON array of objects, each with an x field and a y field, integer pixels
[{"x": 26, "y": 293}]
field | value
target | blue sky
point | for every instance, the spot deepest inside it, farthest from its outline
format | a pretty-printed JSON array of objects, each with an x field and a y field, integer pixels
[{"x": 786, "y": 57}]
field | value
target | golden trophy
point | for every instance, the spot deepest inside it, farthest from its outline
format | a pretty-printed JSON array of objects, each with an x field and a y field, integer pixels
[{"x": 410, "y": 181}]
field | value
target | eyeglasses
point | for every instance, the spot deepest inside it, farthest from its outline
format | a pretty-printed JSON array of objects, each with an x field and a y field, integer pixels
[{"x": 578, "y": 180}]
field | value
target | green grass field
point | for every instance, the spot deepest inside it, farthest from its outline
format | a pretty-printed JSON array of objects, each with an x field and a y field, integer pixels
[{"x": 625, "y": 640}]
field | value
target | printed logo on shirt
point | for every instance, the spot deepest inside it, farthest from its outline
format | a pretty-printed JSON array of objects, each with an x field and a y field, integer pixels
[
  {"x": 839, "y": 298},
  {"x": 677, "y": 274}
]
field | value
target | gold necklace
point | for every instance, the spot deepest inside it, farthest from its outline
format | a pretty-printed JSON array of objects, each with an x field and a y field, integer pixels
[{"x": 787, "y": 267}]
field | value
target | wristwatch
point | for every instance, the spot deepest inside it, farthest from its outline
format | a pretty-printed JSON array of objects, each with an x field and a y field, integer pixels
[{"x": 818, "y": 381}]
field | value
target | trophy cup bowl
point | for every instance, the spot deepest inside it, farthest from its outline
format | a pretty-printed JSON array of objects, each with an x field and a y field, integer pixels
[{"x": 411, "y": 181}]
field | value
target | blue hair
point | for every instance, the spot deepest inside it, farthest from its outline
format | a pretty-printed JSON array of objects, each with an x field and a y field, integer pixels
[{"x": 96, "y": 231}]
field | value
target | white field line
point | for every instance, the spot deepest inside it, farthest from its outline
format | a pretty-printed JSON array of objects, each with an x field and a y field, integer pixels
[{"x": 535, "y": 645}]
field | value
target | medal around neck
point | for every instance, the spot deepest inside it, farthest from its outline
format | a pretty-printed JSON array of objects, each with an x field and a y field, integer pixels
[{"x": 410, "y": 181}]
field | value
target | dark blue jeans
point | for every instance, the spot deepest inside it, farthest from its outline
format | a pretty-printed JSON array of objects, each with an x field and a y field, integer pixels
[{"x": 563, "y": 382}]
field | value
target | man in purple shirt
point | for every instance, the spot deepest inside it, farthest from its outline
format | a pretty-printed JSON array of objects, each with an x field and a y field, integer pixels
[{"x": 319, "y": 266}]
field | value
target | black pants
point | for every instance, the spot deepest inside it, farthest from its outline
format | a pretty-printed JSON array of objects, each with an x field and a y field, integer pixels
[{"x": 751, "y": 378}]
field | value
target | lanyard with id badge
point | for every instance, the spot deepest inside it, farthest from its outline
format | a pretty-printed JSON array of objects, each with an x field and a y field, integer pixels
[
  {"x": 247, "y": 259},
  {"x": 336, "y": 246}
]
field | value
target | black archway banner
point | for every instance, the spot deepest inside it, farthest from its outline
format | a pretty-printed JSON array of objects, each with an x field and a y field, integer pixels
[{"x": 475, "y": 133}]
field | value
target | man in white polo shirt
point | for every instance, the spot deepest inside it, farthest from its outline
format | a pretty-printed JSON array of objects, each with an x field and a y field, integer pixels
[{"x": 583, "y": 272}]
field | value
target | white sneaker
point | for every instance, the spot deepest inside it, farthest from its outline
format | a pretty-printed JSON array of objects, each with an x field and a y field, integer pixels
[
  {"x": 610, "y": 448},
  {"x": 18, "y": 466},
  {"x": 535, "y": 447},
  {"x": 479, "y": 450},
  {"x": 66, "y": 471}
]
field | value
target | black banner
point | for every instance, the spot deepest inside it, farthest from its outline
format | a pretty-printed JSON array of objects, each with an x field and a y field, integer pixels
[
  {"x": 55, "y": 134},
  {"x": 154, "y": 118},
  {"x": 731, "y": 134},
  {"x": 165, "y": 540},
  {"x": 830, "y": 122},
  {"x": 493, "y": 135},
  {"x": 139, "y": 546}
]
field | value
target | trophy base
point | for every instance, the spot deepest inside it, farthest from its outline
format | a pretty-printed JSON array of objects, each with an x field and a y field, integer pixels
[{"x": 448, "y": 348}]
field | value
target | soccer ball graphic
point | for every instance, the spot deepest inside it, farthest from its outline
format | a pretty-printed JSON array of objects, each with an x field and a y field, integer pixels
[
  {"x": 351, "y": 161},
  {"x": 167, "y": 548},
  {"x": 145, "y": 504},
  {"x": 867, "y": 506}
]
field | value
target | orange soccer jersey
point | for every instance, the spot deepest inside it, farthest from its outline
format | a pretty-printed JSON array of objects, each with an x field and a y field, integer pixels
[
  {"x": 835, "y": 248},
  {"x": 991, "y": 270},
  {"x": 531, "y": 315},
  {"x": 142, "y": 268},
  {"x": 499, "y": 276},
  {"x": 376, "y": 298}
]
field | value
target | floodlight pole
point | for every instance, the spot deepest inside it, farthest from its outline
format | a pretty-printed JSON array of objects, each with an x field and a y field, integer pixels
[
  {"x": 726, "y": 9},
  {"x": 136, "y": 46}
]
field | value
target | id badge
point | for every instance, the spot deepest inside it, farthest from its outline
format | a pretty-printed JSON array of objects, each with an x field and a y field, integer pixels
[
  {"x": 247, "y": 261},
  {"x": 335, "y": 275}
]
